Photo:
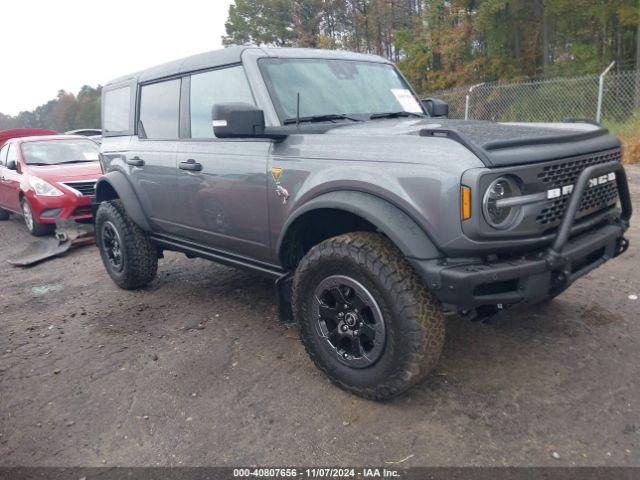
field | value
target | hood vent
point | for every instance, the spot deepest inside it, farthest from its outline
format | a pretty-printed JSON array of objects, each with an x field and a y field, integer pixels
[{"x": 500, "y": 145}]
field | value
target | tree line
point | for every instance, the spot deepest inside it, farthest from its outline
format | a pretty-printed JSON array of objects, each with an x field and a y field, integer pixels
[
  {"x": 441, "y": 44},
  {"x": 438, "y": 44},
  {"x": 65, "y": 112}
]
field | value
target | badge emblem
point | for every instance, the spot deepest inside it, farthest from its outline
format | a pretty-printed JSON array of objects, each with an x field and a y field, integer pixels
[{"x": 276, "y": 173}]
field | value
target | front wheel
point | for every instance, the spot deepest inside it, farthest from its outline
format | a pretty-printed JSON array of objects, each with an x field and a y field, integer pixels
[
  {"x": 366, "y": 319},
  {"x": 36, "y": 228},
  {"x": 128, "y": 255}
]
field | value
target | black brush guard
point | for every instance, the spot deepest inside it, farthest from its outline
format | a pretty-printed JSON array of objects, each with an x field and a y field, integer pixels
[{"x": 465, "y": 285}]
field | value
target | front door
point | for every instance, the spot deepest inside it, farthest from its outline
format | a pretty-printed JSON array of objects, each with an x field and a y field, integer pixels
[
  {"x": 222, "y": 184},
  {"x": 3, "y": 160},
  {"x": 224, "y": 202},
  {"x": 11, "y": 178}
]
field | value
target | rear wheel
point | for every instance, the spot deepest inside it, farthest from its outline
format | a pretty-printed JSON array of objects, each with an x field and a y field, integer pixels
[
  {"x": 366, "y": 319},
  {"x": 128, "y": 255},
  {"x": 35, "y": 228}
]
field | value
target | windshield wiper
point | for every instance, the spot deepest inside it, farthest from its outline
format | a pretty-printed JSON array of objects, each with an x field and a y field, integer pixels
[
  {"x": 403, "y": 113},
  {"x": 320, "y": 118},
  {"x": 77, "y": 161}
]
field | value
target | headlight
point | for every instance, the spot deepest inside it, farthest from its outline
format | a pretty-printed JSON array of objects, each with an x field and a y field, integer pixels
[
  {"x": 496, "y": 215},
  {"x": 43, "y": 188}
]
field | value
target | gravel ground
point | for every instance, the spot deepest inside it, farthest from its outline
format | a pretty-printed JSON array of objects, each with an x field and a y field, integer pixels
[{"x": 91, "y": 375}]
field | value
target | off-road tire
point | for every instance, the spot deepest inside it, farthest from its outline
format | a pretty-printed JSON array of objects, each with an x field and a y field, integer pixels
[
  {"x": 4, "y": 215},
  {"x": 139, "y": 255},
  {"x": 35, "y": 228},
  {"x": 412, "y": 315}
]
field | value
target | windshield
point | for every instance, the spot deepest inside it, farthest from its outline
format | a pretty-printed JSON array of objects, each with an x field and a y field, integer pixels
[
  {"x": 336, "y": 87},
  {"x": 54, "y": 152}
]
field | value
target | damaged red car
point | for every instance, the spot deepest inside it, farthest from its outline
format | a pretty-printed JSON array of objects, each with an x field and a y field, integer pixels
[{"x": 45, "y": 178}]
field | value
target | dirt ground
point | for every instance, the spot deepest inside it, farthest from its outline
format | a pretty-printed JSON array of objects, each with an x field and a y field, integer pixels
[{"x": 91, "y": 375}]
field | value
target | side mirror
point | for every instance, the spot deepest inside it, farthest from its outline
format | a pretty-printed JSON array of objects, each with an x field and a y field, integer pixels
[
  {"x": 435, "y": 107},
  {"x": 12, "y": 165},
  {"x": 237, "y": 120}
]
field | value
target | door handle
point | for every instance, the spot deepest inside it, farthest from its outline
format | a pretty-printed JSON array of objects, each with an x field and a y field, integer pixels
[
  {"x": 190, "y": 165},
  {"x": 135, "y": 161}
]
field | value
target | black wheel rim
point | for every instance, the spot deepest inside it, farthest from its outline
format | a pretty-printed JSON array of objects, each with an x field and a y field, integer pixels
[
  {"x": 349, "y": 320},
  {"x": 111, "y": 246}
]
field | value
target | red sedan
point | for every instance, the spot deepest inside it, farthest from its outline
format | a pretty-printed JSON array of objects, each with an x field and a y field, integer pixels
[{"x": 48, "y": 177}]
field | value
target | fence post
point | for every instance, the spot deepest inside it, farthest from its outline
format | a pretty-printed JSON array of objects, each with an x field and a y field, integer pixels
[
  {"x": 601, "y": 91},
  {"x": 468, "y": 100}
]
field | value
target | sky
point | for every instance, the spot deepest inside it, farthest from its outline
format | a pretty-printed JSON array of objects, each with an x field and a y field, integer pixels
[{"x": 52, "y": 45}]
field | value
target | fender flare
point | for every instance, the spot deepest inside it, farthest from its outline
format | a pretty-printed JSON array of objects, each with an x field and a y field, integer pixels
[
  {"x": 118, "y": 182},
  {"x": 403, "y": 231}
]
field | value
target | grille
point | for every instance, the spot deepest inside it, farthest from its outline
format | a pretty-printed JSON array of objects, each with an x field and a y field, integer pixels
[
  {"x": 594, "y": 199},
  {"x": 566, "y": 173},
  {"x": 83, "y": 210},
  {"x": 86, "y": 189}
]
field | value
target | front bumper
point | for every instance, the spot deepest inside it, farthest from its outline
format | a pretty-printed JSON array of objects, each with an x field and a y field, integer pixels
[
  {"x": 529, "y": 279},
  {"x": 48, "y": 209},
  {"x": 465, "y": 284}
]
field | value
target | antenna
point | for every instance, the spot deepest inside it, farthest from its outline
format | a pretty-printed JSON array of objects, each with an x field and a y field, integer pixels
[{"x": 298, "y": 112}]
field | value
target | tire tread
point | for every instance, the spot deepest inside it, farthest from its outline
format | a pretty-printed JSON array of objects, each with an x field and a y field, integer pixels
[
  {"x": 141, "y": 256},
  {"x": 424, "y": 338}
]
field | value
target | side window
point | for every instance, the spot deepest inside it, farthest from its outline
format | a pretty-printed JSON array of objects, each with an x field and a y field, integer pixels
[
  {"x": 117, "y": 110},
  {"x": 12, "y": 154},
  {"x": 217, "y": 86},
  {"x": 160, "y": 110},
  {"x": 3, "y": 154}
]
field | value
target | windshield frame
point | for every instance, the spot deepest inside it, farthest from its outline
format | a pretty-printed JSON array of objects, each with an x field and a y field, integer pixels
[
  {"x": 279, "y": 111},
  {"x": 30, "y": 162}
]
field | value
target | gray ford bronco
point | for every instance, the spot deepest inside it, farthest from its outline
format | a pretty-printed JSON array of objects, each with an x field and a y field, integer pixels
[{"x": 373, "y": 212}]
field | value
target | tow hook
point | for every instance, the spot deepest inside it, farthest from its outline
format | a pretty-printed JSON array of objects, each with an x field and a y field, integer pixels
[
  {"x": 559, "y": 281},
  {"x": 623, "y": 245}
]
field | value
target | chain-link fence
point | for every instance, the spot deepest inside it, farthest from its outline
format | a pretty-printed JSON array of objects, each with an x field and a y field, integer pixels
[{"x": 557, "y": 100}]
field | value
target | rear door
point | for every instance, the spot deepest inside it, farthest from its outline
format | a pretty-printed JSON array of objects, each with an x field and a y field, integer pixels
[
  {"x": 224, "y": 200},
  {"x": 152, "y": 154}
]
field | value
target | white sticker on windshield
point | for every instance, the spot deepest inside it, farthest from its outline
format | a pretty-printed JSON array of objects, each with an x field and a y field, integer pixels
[
  {"x": 90, "y": 155},
  {"x": 406, "y": 100}
]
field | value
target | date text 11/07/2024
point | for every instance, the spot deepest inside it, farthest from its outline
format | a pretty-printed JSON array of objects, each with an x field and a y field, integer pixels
[{"x": 315, "y": 473}]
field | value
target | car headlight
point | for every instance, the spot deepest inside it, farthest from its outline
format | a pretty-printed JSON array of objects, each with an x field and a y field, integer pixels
[
  {"x": 44, "y": 189},
  {"x": 497, "y": 213}
]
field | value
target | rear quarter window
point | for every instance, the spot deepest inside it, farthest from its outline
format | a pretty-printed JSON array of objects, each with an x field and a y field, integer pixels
[{"x": 116, "y": 106}]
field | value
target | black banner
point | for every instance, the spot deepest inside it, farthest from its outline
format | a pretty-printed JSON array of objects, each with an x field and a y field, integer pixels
[{"x": 218, "y": 473}]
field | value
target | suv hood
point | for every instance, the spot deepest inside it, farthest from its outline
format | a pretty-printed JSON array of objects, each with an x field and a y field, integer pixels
[{"x": 497, "y": 144}]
